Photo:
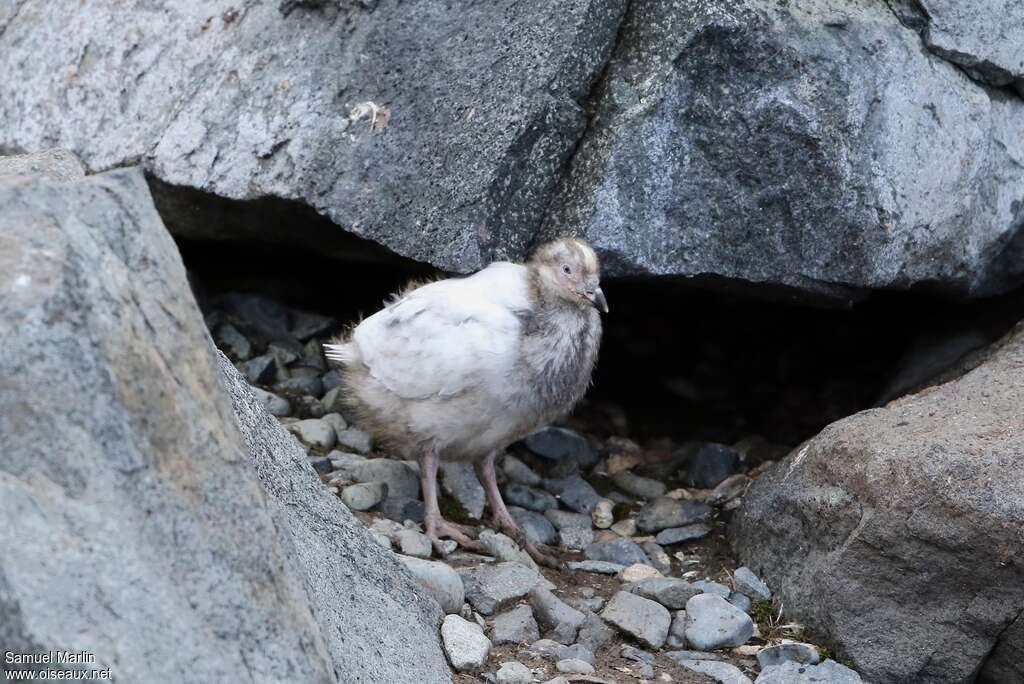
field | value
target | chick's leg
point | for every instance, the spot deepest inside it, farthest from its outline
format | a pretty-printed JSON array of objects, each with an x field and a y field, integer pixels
[
  {"x": 502, "y": 519},
  {"x": 435, "y": 525}
]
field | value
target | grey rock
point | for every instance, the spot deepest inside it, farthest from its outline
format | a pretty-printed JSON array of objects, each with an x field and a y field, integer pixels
[
  {"x": 464, "y": 643},
  {"x": 984, "y": 38},
  {"x": 515, "y": 626},
  {"x": 233, "y": 343},
  {"x": 332, "y": 381},
  {"x": 321, "y": 464},
  {"x": 560, "y": 621},
  {"x": 336, "y": 420},
  {"x": 575, "y": 538},
  {"x": 741, "y": 601},
  {"x": 575, "y": 652},
  {"x": 724, "y": 673},
  {"x": 383, "y": 611},
  {"x": 439, "y": 581},
  {"x": 750, "y": 584},
  {"x": 594, "y": 633},
  {"x": 710, "y": 465},
  {"x": 56, "y": 165},
  {"x": 459, "y": 481},
  {"x": 574, "y": 666},
  {"x": 558, "y": 444},
  {"x": 945, "y": 545},
  {"x": 829, "y": 672},
  {"x": 363, "y": 497},
  {"x": 334, "y": 400},
  {"x": 713, "y": 623},
  {"x": 536, "y": 527},
  {"x": 260, "y": 370},
  {"x": 693, "y": 655},
  {"x": 678, "y": 535},
  {"x": 669, "y": 592},
  {"x": 355, "y": 440},
  {"x": 271, "y": 403},
  {"x": 677, "y": 632},
  {"x": 710, "y": 587},
  {"x": 401, "y": 480},
  {"x": 301, "y": 384},
  {"x": 841, "y": 132},
  {"x": 269, "y": 318},
  {"x": 585, "y": 605},
  {"x": 597, "y": 567},
  {"x": 513, "y": 673},
  {"x": 636, "y": 655},
  {"x": 517, "y": 471},
  {"x": 529, "y": 497},
  {"x": 546, "y": 648},
  {"x": 804, "y": 654},
  {"x": 137, "y": 497},
  {"x": 410, "y": 542},
  {"x": 307, "y": 407},
  {"x": 644, "y": 487},
  {"x": 602, "y": 514},
  {"x": 371, "y": 100},
  {"x": 314, "y": 433},
  {"x": 491, "y": 588},
  {"x": 659, "y": 559},
  {"x": 504, "y": 548},
  {"x": 620, "y": 551},
  {"x": 728, "y": 489},
  {"x": 565, "y": 519},
  {"x": 640, "y": 618},
  {"x": 574, "y": 492},
  {"x": 665, "y": 513},
  {"x": 400, "y": 509},
  {"x": 624, "y": 528}
]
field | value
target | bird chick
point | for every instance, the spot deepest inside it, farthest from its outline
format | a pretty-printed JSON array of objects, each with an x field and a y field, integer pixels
[{"x": 459, "y": 369}]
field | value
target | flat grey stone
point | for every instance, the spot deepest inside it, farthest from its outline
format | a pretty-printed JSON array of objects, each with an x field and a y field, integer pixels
[
  {"x": 504, "y": 548},
  {"x": 556, "y": 444},
  {"x": 577, "y": 652},
  {"x": 560, "y": 621},
  {"x": 363, "y": 497},
  {"x": 709, "y": 587},
  {"x": 513, "y": 673},
  {"x": 517, "y": 471},
  {"x": 723, "y": 673},
  {"x": 666, "y": 512},
  {"x": 260, "y": 370},
  {"x": 640, "y": 618},
  {"x": 643, "y": 487},
  {"x": 596, "y": 567},
  {"x": 464, "y": 643},
  {"x": 693, "y": 655},
  {"x": 536, "y": 527},
  {"x": 439, "y": 580},
  {"x": 354, "y": 439},
  {"x": 804, "y": 654},
  {"x": 458, "y": 480},
  {"x": 670, "y": 592},
  {"x": 574, "y": 666},
  {"x": 564, "y": 519},
  {"x": 594, "y": 633},
  {"x": 515, "y": 626},
  {"x": 314, "y": 433},
  {"x": 741, "y": 601},
  {"x": 491, "y": 588},
  {"x": 621, "y": 551},
  {"x": 677, "y": 632},
  {"x": 750, "y": 584},
  {"x": 659, "y": 559},
  {"x": 531, "y": 498},
  {"x": 575, "y": 538},
  {"x": 713, "y": 623},
  {"x": 271, "y": 403},
  {"x": 828, "y": 672},
  {"x": 678, "y": 535},
  {"x": 414, "y": 543},
  {"x": 574, "y": 492},
  {"x": 402, "y": 481}
]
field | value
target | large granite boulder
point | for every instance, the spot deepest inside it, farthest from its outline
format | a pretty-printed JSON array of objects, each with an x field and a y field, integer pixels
[
  {"x": 813, "y": 145},
  {"x": 437, "y": 129},
  {"x": 132, "y": 521},
  {"x": 896, "y": 533}
]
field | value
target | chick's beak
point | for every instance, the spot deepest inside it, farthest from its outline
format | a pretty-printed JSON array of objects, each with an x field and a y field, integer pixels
[{"x": 599, "y": 302}]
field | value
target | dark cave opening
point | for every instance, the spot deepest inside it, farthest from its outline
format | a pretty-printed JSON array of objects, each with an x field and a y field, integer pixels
[{"x": 679, "y": 360}]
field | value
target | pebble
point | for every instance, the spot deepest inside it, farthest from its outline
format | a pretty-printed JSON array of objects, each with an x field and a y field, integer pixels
[
  {"x": 301, "y": 384},
  {"x": 594, "y": 633},
  {"x": 602, "y": 515},
  {"x": 621, "y": 551},
  {"x": 741, "y": 601},
  {"x": 400, "y": 509},
  {"x": 517, "y": 471},
  {"x": 560, "y": 620},
  {"x": 636, "y": 655},
  {"x": 711, "y": 464},
  {"x": 491, "y": 588},
  {"x": 363, "y": 497},
  {"x": 668, "y": 591},
  {"x": 640, "y": 618},
  {"x": 546, "y": 648},
  {"x": 414, "y": 543},
  {"x": 321, "y": 464},
  {"x": 513, "y": 673},
  {"x": 625, "y": 527},
  {"x": 515, "y": 626},
  {"x": 306, "y": 406},
  {"x": 575, "y": 538},
  {"x": 585, "y": 605},
  {"x": 805, "y": 654},
  {"x": 659, "y": 558},
  {"x": 829, "y": 672},
  {"x": 439, "y": 580},
  {"x": 503, "y": 548},
  {"x": 334, "y": 401},
  {"x": 713, "y": 623},
  {"x": 355, "y": 440},
  {"x": 564, "y": 519},
  {"x": 709, "y": 587},
  {"x": 679, "y": 656},
  {"x": 402, "y": 481},
  {"x": 336, "y": 421},
  {"x": 728, "y": 489},
  {"x": 536, "y": 527},
  {"x": 750, "y": 584},
  {"x": 576, "y": 651},
  {"x": 556, "y": 443},
  {"x": 259, "y": 371},
  {"x": 313, "y": 432},
  {"x": 678, "y": 535},
  {"x": 677, "y": 632},
  {"x": 272, "y": 404},
  {"x": 464, "y": 643},
  {"x": 574, "y": 492},
  {"x": 637, "y": 573},
  {"x": 644, "y": 487},
  {"x": 723, "y": 673},
  {"x": 666, "y": 512},
  {"x": 596, "y": 567},
  {"x": 574, "y": 666},
  {"x": 531, "y": 498}
]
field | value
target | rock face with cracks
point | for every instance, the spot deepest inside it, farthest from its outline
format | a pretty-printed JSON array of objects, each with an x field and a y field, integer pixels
[{"x": 900, "y": 526}]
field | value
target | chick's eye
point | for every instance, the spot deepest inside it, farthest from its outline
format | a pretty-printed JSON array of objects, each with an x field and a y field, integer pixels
[{"x": 566, "y": 270}]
